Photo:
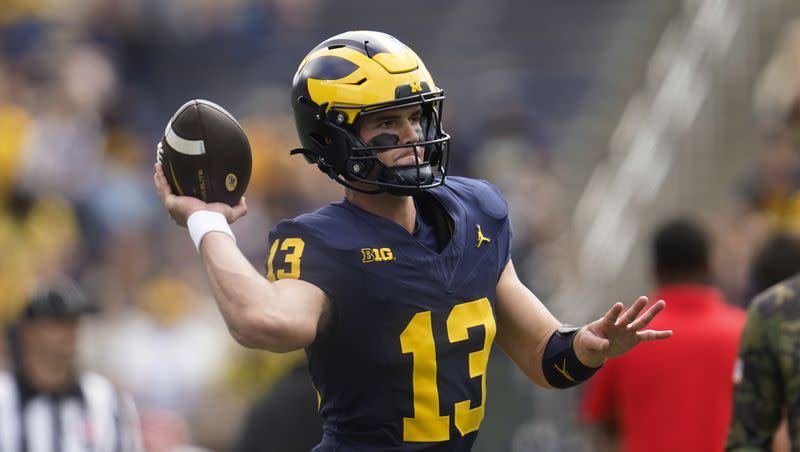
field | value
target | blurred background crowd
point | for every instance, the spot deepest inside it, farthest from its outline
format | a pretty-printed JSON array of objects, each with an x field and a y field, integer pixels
[{"x": 596, "y": 120}]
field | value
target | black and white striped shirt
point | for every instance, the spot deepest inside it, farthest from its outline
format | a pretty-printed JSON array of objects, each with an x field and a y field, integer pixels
[{"x": 92, "y": 417}]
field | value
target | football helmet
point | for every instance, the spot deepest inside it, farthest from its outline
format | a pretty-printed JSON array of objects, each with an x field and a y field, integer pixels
[{"x": 360, "y": 73}]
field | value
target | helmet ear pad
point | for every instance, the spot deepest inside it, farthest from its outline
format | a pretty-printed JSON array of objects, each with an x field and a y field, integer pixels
[{"x": 332, "y": 144}]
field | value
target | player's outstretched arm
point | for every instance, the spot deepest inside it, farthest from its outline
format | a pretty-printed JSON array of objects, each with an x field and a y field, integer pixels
[
  {"x": 278, "y": 317},
  {"x": 527, "y": 332},
  {"x": 524, "y": 325}
]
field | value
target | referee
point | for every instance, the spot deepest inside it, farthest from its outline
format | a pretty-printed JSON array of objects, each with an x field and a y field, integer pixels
[{"x": 46, "y": 403}]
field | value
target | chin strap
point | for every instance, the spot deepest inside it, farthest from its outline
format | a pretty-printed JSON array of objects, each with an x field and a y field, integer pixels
[
  {"x": 309, "y": 155},
  {"x": 409, "y": 177},
  {"x": 315, "y": 157}
]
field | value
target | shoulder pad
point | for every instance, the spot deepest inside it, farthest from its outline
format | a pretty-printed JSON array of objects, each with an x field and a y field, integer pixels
[
  {"x": 783, "y": 296},
  {"x": 480, "y": 193},
  {"x": 330, "y": 226}
]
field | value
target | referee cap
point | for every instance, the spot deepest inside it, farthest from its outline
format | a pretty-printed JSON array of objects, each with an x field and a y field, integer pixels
[{"x": 60, "y": 299}]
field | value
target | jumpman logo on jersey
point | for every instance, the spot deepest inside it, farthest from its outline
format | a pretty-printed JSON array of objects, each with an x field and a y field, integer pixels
[{"x": 481, "y": 238}]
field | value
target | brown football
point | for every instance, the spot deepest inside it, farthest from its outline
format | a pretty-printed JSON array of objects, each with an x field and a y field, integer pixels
[{"x": 205, "y": 153}]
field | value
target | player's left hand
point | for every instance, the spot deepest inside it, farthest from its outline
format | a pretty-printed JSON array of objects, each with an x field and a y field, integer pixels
[{"x": 618, "y": 331}]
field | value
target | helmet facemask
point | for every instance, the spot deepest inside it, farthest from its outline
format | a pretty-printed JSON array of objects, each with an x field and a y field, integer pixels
[
  {"x": 350, "y": 160},
  {"x": 427, "y": 172}
]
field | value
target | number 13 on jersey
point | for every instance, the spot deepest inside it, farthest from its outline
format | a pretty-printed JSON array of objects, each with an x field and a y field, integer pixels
[
  {"x": 291, "y": 260},
  {"x": 428, "y": 425}
]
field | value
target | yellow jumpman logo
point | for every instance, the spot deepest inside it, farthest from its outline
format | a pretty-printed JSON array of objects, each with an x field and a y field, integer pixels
[
  {"x": 481, "y": 238},
  {"x": 563, "y": 370}
]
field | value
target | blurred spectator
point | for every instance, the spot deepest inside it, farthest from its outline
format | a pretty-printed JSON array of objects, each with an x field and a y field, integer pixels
[
  {"x": 509, "y": 157},
  {"x": 47, "y": 403},
  {"x": 61, "y": 150},
  {"x": 766, "y": 375},
  {"x": 685, "y": 404},
  {"x": 14, "y": 120},
  {"x": 773, "y": 188},
  {"x": 762, "y": 406},
  {"x": 165, "y": 431},
  {"x": 769, "y": 198},
  {"x": 777, "y": 90},
  {"x": 767, "y": 201},
  {"x": 169, "y": 355},
  {"x": 776, "y": 261},
  {"x": 34, "y": 250}
]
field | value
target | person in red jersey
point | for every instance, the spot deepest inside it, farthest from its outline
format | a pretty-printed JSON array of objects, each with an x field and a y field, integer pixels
[{"x": 674, "y": 395}]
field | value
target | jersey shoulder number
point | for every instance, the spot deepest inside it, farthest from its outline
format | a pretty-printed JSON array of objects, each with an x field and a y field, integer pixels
[{"x": 303, "y": 249}]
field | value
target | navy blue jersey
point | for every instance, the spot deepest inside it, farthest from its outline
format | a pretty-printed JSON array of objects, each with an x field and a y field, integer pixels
[{"x": 401, "y": 365}]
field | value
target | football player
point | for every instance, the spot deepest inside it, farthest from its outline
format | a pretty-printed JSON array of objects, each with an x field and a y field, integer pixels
[{"x": 397, "y": 292}]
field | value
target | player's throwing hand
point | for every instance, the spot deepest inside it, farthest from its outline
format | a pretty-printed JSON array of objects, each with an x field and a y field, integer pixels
[{"x": 181, "y": 207}]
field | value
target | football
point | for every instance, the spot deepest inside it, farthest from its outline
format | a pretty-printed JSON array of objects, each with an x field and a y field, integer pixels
[{"x": 205, "y": 153}]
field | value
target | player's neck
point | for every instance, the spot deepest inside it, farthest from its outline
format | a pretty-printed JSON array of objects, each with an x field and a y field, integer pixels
[{"x": 399, "y": 209}]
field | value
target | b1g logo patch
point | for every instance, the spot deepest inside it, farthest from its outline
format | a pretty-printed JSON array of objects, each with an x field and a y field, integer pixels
[
  {"x": 231, "y": 182},
  {"x": 376, "y": 255}
]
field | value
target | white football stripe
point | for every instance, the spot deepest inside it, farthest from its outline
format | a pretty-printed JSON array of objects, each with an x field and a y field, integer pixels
[
  {"x": 184, "y": 146},
  {"x": 216, "y": 106},
  {"x": 183, "y": 107}
]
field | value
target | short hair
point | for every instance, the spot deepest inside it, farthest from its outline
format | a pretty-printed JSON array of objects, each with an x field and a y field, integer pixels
[
  {"x": 776, "y": 260},
  {"x": 681, "y": 251}
]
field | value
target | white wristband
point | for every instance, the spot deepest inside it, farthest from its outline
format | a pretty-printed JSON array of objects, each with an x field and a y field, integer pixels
[{"x": 202, "y": 222}]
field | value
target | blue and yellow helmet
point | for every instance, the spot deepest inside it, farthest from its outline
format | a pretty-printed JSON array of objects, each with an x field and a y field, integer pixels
[{"x": 359, "y": 73}]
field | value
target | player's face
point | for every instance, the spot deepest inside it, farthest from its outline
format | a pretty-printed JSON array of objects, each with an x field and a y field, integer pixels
[{"x": 400, "y": 126}]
